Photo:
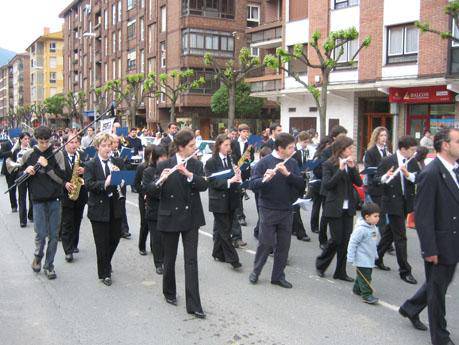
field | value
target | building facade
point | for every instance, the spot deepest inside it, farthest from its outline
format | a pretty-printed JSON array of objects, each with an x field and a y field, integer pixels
[
  {"x": 19, "y": 81},
  {"x": 405, "y": 80},
  {"x": 109, "y": 39},
  {"x": 4, "y": 94},
  {"x": 46, "y": 66}
]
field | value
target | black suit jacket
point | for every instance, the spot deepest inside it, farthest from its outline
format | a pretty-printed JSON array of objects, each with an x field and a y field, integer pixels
[
  {"x": 151, "y": 192},
  {"x": 236, "y": 155},
  {"x": 269, "y": 143},
  {"x": 336, "y": 185},
  {"x": 221, "y": 198},
  {"x": 83, "y": 197},
  {"x": 98, "y": 199},
  {"x": 393, "y": 201},
  {"x": 180, "y": 207},
  {"x": 436, "y": 212},
  {"x": 373, "y": 159}
]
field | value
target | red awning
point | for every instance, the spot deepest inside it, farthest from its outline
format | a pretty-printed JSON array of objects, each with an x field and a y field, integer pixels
[{"x": 424, "y": 94}]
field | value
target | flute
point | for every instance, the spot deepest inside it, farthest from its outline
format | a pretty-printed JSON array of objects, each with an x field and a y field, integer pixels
[
  {"x": 398, "y": 169},
  {"x": 174, "y": 168},
  {"x": 276, "y": 168}
]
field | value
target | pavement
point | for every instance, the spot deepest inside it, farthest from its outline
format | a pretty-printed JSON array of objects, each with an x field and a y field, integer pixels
[{"x": 77, "y": 309}]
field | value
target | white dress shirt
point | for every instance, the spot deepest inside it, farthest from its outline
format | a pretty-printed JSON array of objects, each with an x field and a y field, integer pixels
[{"x": 179, "y": 160}]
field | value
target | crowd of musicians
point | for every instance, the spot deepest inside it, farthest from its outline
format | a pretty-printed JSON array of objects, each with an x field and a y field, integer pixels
[{"x": 171, "y": 178}]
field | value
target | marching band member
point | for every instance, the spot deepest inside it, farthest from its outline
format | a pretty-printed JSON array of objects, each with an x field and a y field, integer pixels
[
  {"x": 224, "y": 198},
  {"x": 72, "y": 201},
  {"x": 104, "y": 207},
  {"x": 278, "y": 182},
  {"x": 148, "y": 187},
  {"x": 339, "y": 173},
  {"x": 180, "y": 213}
]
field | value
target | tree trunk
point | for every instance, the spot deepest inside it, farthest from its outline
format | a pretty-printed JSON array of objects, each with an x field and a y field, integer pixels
[
  {"x": 132, "y": 112},
  {"x": 172, "y": 112},
  {"x": 231, "y": 105},
  {"x": 323, "y": 105}
]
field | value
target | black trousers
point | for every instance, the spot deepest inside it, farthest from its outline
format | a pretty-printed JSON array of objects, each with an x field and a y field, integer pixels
[
  {"x": 106, "y": 236},
  {"x": 297, "y": 225},
  {"x": 23, "y": 190},
  {"x": 143, "y": 231},
  {"x": 318, "y": 223},
  {"x": 190, "y": 253},
  {"x": 156, "y": 243},
  {"x": 223, "y": 248},
  {"x": 70, "y": 226},
  {"x": 275, "y": 234},
  {"x": 12, "y": 193},
  {"x": 340, "y": 230},
  {"x": 432, "y": 294},
  {"x": 396, "y": 234},
  {"x": 124, "y": 221}
]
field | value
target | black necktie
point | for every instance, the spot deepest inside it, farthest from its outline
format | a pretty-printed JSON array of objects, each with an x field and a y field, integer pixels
[
  {"x": 224, "y": 163},
  {"x": 72, "y": 160},
  {"x": 106, "y": 168},
  {"x": 383, "y": 151}
]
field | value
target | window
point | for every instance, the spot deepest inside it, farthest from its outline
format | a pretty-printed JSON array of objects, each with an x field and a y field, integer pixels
[
  {"x": 131, "y": 29},
  {"x": 349, "y": 50},
  {"x": 162, "y": 48},
  {"x": 209, "y": 8},
  {"x": 402, "y": 44},
  {"x": 296, "y": 65},
  {"x": 210, "y": 86},
  {"x": 253, "y": 15},
  {"x": 142, "y": 3},
  {"x": 130, "y": 4},
  {"x": 52, "y": 91},
  {"x": 454, "y": 59},
  {"x": 345, "y": 3},
  {"x": 150, "y": 10},
  {"x": 105, "y": 78},
  {"x": 105, "y": 20},
  {"x": 142, "y": 30},
  {"x": 52, "y": 62},
  {"x": 131, "y": 59},
  {"x": 142, "y": 61},
  {"x": 32, "y": 79},
  {"x": 113, "y": 42},
  {"x": 151, "y": 38},
  {"x": 119, "y": 10},
  {"x": 52, "y": 47},
  {"x": 119, "y": 39},
  {"x": 163, "y": 18},
  {"x": 113, "y": 69},
  {"x": 254, "y": 51},
  {"x": 106, "y": 46},
  {"x": 113, "y": 14},
  {"x": 119, "y": 68},
  {"x": 52, "y": 77},
  {"x": 198, "y": 42}
]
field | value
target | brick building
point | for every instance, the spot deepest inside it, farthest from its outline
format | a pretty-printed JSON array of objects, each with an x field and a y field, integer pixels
[
  {"x": 405, "y": 80},
  {"x": 4, "y": 94},
  {"x": 108, "y": 39},
  {"x": 19, "y": 81}
]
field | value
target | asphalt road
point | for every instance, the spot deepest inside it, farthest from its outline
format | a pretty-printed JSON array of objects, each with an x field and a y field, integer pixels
[{"x": 77, "y": 309}]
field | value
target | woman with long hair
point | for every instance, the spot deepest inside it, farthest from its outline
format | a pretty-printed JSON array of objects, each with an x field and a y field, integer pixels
[
  {"x": 180, "y": 213},
  {"x": 339, "y": 175},
  {"x": 224, "y": 199},
  {"x": 154, "y": 155}
]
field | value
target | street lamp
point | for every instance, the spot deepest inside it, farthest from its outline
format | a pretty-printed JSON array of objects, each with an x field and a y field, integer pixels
[{"x": 93, "y": 35}]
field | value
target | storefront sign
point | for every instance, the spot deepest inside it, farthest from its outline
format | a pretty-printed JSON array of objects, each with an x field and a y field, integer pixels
[{"x": 426, "y": 94}]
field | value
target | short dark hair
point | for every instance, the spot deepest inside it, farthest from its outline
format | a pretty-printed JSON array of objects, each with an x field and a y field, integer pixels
[
  {"x": 406, "y": 141},
  {"x": 274, "y": 126},
  {"x": 370, "y": 208},
  {"x": 427, "y": 131},
  {"x": 23, "y": 135},
  {"x": 303, "y": 135},
  {"x": 243, "y": 127},
  {"x": 183, "y": 137},
  {"x": 172, "y": 124},
  {"x": 337, "y": 130},
  {"x": 283, "y": 140},
  {"x": 133, "y": 129},
  {"x": 266, "y": 150},
  {"x": 442, "y": 136},
  {"x": 43, "y": 133},
  {"x": 421, "y": 153}
]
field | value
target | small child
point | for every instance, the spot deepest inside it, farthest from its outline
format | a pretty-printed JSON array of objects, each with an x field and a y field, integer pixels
[{"x": 362, "y": 252}]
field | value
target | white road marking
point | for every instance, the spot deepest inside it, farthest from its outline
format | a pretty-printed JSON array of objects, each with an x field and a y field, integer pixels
[{"x": 252, "y": 252}]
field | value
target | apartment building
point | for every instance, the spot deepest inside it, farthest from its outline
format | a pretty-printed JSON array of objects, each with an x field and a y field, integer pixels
[
  {"x": 4, "y": 94},
  {"x": 109, "y": 39},
  {"x": 19, "y": 81},
  {"x": 405, "y": 80},
  {"x": 46, "y": 65}
]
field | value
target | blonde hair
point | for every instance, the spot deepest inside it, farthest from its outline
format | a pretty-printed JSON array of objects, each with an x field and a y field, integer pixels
[
  {"x": 374, "y": 136},
  {"x": 101, "y": 137}
]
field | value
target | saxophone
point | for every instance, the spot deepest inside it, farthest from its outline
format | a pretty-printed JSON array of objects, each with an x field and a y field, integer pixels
[
  {"x": 76, "y": 180},
  {"x": 245, "y": 156}
]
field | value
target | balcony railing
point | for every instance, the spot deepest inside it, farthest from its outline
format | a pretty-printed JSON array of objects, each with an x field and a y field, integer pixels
[
  {"x": 266, "y": 85},
  {"x": 265, "y": 33}
]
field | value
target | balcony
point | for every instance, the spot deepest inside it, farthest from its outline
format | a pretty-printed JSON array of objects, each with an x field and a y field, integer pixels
[
  {"x": 265, "y": 36},
  {"x": 264, "y": 79}
]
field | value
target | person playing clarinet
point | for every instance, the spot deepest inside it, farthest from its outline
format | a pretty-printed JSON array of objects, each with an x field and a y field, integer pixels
[{"x": 180, "y": 212}]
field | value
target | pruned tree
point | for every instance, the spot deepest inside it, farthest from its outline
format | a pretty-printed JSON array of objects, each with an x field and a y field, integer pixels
[
  {"x": 245, "y": 104},
  {"x": 452, "y": 10},
  {"x": 131, "y": 91},
  {"x": 39, "y": 110},
  {"x": 231, "y": 74},
  {"x": 75, "y": 103},
  {"x": 328, "y": 54},
  {"x": 172, "y": 85},
  {"x": 55, "y": 105},
  {"x": 102, "y": 98}
]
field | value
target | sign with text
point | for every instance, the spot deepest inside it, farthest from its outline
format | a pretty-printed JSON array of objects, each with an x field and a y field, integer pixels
[{"x": 425, "y": 94}]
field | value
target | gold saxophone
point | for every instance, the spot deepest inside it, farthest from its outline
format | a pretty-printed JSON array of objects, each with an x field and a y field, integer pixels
[
  {"x": 76, "y": 180},
  {"x": 245, "y": 156}
]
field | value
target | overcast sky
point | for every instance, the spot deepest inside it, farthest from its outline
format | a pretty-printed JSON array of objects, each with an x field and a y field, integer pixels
[{"x": 22, "y": 21}]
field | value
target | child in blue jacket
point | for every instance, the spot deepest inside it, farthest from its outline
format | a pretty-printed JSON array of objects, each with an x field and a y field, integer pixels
[{"x": 362, "y": 251}]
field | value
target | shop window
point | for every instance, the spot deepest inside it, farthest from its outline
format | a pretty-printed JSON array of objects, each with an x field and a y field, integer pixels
[
  {"x": 345, "y": 3},
  {"x": 402, "y": 44}
]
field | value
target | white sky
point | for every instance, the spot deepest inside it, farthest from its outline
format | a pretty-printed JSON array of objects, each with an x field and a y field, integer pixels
[{"x": 22, "y": 21}]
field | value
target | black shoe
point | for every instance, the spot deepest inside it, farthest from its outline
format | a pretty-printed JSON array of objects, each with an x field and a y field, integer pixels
[
  {"x": 172, "y": 301},
  {"x": 305, "y": 238},
  {"x": 371, "y": 300},
  {"x": 236, "y": 265},
  {"x": 322, "y": 246},
  {"x": 382, "y": 267},
  {"x": 23, "y": 225},
  {"x": 14, "y": 209},
  {"x": 253, "y": 278},
  {"x": 282, "y": 283},
  {"x": 218, "y": 259},
  {"x": 159, "y": 270},
  {"x": 391, "y": 250},
  {"x": 76, "y": 250},
  {"x": 316, "y": 231},
  {"x": 418, "y": 324},
  {"x": 143, "y": 252},
  {"x": 198, "y": 314},
  {"x": 69, "y": 257},
  {"x": 409, "y": 279},
  {"x": 107, "y": 281},
  {"x": 126, "y": 235},
  {"x": 320, "y": 273},
  {"x": 50, "y": 273},
  {"x": 450, "y": 342},
  {"x": 235, "y": 244},
  {"x": 242, "y": 222},
  {"x": 355, "y": 292},
  {"x": 345, "y": 278}
]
